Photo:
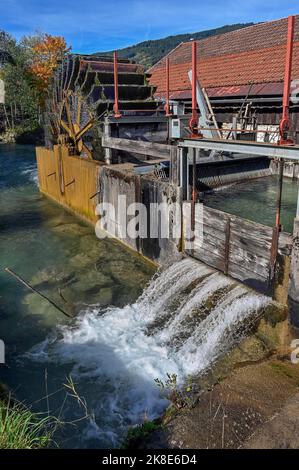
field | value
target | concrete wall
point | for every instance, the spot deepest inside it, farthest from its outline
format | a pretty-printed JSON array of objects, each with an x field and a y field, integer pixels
[
  {"x": 290, "y": 169},
  {"x": 139, "y": 189}
]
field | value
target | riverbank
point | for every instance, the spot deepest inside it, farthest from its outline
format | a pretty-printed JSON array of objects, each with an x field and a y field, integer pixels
[
  {"x": 23, "y": 136},
  {"x": 249, "y": 400}
]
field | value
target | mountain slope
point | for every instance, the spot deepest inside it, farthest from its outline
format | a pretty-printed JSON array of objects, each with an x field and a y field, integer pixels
[{"x": 149, "y": 52}]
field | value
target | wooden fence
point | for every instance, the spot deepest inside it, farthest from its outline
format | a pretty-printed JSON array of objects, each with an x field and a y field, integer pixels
[
  {"x": 235, "y": 246},
  {"x": 69, "y": 180}
]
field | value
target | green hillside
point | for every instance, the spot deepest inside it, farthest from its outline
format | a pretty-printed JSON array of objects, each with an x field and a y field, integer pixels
[{"x": 149, "y": 52}]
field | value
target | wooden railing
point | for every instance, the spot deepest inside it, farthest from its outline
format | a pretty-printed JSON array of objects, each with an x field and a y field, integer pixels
[{"x": 148, "y": 149}]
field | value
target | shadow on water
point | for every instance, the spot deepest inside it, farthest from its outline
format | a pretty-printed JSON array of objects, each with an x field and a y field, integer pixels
[{"x": 20, "y": 221}]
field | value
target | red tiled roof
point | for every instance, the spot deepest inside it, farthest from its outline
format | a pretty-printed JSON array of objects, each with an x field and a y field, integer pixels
[{"x": 251, "y": 55}]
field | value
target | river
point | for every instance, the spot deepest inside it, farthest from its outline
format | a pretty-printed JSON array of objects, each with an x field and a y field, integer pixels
[{"x": 129, "y": 327}]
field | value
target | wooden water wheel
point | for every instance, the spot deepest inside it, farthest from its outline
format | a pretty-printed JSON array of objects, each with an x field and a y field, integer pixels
[
  {"x": 74, "y": 121},
  {"x": 82, "y": 96}
]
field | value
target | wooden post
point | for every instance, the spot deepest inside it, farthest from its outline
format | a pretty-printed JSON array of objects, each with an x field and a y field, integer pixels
[
  {"x": 108, "y": 151},
  {"x": 294, "y": 276},
  {"x": 184, "y": 173},
  {"x": 174, "y": 165},
  {"x": 276, "y": 229},
  {"x": 227, "y": 245}
]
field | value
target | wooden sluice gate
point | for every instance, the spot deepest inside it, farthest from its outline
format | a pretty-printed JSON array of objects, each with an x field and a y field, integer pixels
[
  {"x": 238, "y": 247},
  {"x": 69, "y": 180}
]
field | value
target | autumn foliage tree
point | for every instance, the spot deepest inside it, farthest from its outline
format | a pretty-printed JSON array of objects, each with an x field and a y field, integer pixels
[
  {"x": 26, "y": 67},
  {"x": 48, "y": 51}
]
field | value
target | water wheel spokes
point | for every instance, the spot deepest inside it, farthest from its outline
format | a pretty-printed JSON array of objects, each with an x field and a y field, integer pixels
[{"x": 72, "y": 123}]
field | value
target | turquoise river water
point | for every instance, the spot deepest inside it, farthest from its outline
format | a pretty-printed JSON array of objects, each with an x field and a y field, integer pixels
[{"x": 128, "y": 327}]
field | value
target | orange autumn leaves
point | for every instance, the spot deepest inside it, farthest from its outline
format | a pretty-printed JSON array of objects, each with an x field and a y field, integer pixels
[{"x": 47, "y": 53}]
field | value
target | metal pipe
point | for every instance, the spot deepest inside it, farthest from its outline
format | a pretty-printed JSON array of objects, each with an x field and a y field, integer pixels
[
  {"x": 193, "y": 124},
  {"x": 167, "y": 106},
  {"x": 116, "y": 104},
  {"x": 285, "y": 121},
  {"x": 245, "y": 147}
]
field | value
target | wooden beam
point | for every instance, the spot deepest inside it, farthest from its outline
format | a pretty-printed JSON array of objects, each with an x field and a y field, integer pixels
[
  {"x": 84, "y": 129},
  {"x": 149, "y": 149},
  {"x": 66, "y": 128}
]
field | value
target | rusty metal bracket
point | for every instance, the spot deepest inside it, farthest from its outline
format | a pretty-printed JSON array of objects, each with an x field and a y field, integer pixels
[{"x": 69, "y": 184}]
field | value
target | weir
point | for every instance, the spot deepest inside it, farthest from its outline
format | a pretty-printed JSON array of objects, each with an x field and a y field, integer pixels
[{"x": 188, "y": 317}]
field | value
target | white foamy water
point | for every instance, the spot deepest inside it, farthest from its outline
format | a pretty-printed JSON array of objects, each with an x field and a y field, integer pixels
[
  {"x": 120, "y": 353},
  {"x": 32, "y": 174}
]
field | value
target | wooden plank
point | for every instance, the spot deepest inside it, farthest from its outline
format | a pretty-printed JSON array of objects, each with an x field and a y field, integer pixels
[
  {"x": 227, "y": 245},
  {"x": 258, "y": 266},
  {"x": 150, "y": 149},
  {"x": 209, "y": 239},
  {"x": 214, "y": 218},
  {"x": 250, "y": 246},
  {"x": 208, "y": 257},
  {"x": 213, "y": 231},
  {"x": 249, "y": 278},
  {"x": 251, "y": 235},
  {"x": 245, "y": 226}
]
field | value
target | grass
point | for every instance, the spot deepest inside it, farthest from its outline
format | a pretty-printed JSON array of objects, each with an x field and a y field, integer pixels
[
  {"x": 138, "y": 433},
  {"x": 22, "y": 429}
]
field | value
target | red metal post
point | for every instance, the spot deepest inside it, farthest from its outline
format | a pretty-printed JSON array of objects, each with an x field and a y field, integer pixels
[
  {"x": 193, "y": 124},
  {"x": 285, "y": 121},
  {"x": 167, "y": 106},
  {"x": 116, "y": 107}
]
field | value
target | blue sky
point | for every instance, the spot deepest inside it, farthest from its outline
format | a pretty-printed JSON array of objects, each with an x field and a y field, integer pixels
[{"x": 99, "y": 25}]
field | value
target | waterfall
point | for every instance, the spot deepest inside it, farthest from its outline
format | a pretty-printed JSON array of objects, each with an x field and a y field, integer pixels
[{"x": 187, "y": 317}]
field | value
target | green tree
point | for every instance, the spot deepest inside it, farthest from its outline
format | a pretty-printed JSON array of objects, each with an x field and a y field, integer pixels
[{"x": 20, "y": 111}]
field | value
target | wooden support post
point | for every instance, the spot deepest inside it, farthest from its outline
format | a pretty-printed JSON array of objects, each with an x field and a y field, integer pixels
[
  {"x": 173, "y": 170},
  {"x": 184, "y": 173},
  {"x": 294, "y": 277},
  {"x": 108, "y": 151},
  {"x": 227, "y": 245},
  {"x": 276, "y": 229}
]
